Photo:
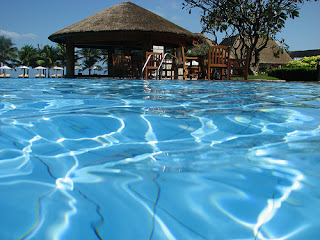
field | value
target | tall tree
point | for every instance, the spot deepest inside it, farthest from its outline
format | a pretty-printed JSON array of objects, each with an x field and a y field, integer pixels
[
  {"x": 28, "y": 56},
  {"x": 254, "y": 22},
  {"x": 105, "y": 59},
  {"x": 90, "y": 57},
  {"x": 8, "y": 52}
]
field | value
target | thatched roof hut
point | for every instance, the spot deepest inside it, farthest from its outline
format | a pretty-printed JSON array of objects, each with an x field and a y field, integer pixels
[
  {"x": 126, "y": 26},
  {"x": 204, "y": 39},
  {"x": 267, "y": 55},
  {"x": 125, "y": 23}
]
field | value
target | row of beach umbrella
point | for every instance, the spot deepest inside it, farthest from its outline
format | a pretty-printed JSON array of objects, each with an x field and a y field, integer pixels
[
  {"x": 25, "y": 67},
  {"x": 4, "y": 68}
]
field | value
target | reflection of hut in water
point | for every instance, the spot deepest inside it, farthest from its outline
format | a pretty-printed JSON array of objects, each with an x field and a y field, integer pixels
[{"x": 127, "y": 31}]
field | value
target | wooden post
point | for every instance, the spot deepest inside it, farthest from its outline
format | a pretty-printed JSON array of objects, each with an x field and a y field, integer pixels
[
  {"x": 70, "y": 60},
  {"x": 146, "y": 47},
  {"x": 318, "y": 70},
  {"x": 110, "y": 62},
  {"x": 185, "y": 73},
  {"x": 179, "y": 53}
]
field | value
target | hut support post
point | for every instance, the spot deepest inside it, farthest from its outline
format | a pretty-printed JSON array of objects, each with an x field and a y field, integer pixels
[
  {"x": 183, "y": 62},
  {"x": 146, "y": 47},
  {"x": 70, "y": 60},
  {"x": 110, "y": 62},
  {"x": 179, "y": 53},
  {"x": 318, "y": 70}
]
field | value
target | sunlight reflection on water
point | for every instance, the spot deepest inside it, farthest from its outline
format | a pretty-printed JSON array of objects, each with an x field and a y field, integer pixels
[{"x": 127, "y": 159}]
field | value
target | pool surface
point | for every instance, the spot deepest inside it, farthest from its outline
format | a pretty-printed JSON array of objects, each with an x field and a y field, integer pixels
[{"x": 138, "y": 159}]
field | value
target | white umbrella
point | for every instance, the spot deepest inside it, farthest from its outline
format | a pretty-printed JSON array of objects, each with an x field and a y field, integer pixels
[
  {"x": 24, "y": 69},
  {"x": 57, "y": 68},
  {"x": 40, "y": 68},
  {"x": 5, "y": 68},
  {"x": 78, "y": 68},
  {"x": 96, "y": 68}
]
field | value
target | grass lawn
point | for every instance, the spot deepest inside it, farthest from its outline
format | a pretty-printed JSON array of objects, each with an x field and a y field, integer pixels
[{"x": 262, "y": 76}]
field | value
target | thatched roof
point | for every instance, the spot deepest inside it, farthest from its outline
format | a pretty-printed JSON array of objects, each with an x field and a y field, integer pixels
[
  {"x": 266, "y": 55},
  {"x": 204, "y": 39},
  {"x": 125, "y": 17}
]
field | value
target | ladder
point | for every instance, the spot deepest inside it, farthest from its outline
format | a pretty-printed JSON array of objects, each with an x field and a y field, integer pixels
[{"x": 160, "y": 66}]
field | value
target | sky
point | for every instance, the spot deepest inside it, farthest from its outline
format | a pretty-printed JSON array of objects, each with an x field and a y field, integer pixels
[{"x": 31, "y": 22}]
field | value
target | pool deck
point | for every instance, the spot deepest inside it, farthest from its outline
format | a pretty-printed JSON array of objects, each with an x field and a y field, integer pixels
[
  {"x": 240, "y": 80},
  {"x": 180, "y": 78}
]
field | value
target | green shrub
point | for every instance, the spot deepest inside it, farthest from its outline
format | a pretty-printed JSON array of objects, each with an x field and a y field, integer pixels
[
  {"x": 304, "y": 69},
  {"x": 306, "y": 62}
]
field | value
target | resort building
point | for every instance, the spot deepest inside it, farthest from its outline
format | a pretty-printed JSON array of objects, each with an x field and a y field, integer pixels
[{"x": 296, "y": 55}]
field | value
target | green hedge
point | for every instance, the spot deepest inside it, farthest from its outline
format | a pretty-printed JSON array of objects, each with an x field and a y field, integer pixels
[
  {"x": 294, "y": 74},
  {"x": 304, "y": 69}
]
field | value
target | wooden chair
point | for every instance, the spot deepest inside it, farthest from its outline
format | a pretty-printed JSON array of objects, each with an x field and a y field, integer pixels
[
  {"x": 192, "y": 67},
  {"x": 7, "y": 75},
  {"x": 122, "y": 65},
  {"x": 239, "y": 68},
  {"x": 37, "y": 75},
  {"x": 153, "y": 63},
  {"x": 218, "y": 62}
]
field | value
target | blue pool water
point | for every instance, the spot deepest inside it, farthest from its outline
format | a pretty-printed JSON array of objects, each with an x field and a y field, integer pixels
[{"x": 134, "y": 159}]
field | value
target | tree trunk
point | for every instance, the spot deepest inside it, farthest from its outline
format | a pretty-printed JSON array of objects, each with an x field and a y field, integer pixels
[{"x": 254, "y": 69}]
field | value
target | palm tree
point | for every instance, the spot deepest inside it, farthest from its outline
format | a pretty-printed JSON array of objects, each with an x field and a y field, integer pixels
[
  {"x": 91, "y": 57},
  {"x": 105, "y": 59},
  {"x": 48, "y": 57},
  {"x": 61, "y": 55},
  {"x": 8, "y": 52},
  {"x": 28, "y": 56}
]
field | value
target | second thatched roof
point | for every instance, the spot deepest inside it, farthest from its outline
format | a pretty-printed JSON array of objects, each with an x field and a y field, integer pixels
[
  {"x": 124, "y": 17},
  {"x": 267, "y": 55}
]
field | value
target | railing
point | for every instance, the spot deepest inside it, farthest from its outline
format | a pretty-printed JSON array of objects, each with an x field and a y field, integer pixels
[
  {"x": 157, "y": 71},
  {"x": 145, "y": 65},
  {"x": 164, "y": 57}
]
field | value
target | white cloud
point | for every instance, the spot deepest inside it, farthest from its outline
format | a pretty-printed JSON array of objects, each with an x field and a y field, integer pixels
[{"x": 15, "y": 35}]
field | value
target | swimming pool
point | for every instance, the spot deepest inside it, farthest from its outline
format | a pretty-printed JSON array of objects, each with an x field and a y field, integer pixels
[{"x": 138, "y": 159}]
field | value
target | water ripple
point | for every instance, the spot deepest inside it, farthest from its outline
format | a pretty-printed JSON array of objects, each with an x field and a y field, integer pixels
[{"x": 159, "y": 160}]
